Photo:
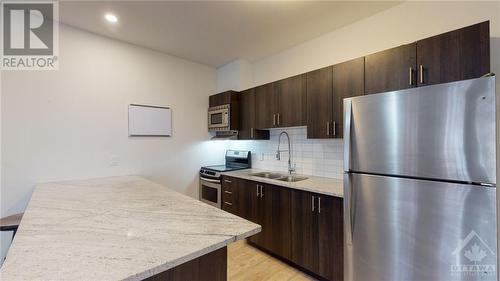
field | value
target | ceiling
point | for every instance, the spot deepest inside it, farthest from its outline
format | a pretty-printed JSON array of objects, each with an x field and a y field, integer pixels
[{"x": 217, "y": 32}]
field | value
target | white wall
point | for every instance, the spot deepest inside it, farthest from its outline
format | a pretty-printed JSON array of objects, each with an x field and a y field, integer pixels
[
  {"x": 236, "y": 75},
  {"x": 72, "y": 123},
  {"x": 398, "y": 25}
]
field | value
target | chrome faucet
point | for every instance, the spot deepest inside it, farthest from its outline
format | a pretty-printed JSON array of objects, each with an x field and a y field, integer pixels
[{"x": 278, "y": 153}]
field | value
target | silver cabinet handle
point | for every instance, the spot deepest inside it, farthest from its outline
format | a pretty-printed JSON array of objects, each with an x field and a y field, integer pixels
[
  {"x": 228, "y": 181},
  {"x": 228, "y": 192},
  {"x": 251, "y": 133},
  {"x": 421, "y": 70},
  {"x": 319, "y": 205},
  {"x": 258, "y": 190},
  {"x": 347, "y": 134},
  {"x": 334, "y": 128},
  {"x": 274, "y": 119},
  {"x": 227, "y": 203},
  {"x": 261, "y": 191},
  {"x": 411, "y": 76},
  {"x": 312, "y": 202},
  {"x": 327, "y": 128},
  {"x": 278, "y": 118}
]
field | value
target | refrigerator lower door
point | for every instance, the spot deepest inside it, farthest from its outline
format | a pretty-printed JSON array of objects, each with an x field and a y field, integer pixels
[{"x": 405, "y": 229}]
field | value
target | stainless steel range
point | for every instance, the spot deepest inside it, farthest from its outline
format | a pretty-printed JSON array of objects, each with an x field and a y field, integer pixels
[{"x": 210, "y": 176}]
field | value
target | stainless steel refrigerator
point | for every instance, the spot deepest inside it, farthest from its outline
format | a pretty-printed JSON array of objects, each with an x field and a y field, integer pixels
[{"x": 420, "y": 183}]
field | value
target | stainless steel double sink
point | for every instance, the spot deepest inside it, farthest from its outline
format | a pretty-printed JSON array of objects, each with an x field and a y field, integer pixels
[{"x": 279, "y": 176}]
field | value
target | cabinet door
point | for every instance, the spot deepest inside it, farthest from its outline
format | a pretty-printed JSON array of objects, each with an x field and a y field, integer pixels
[
  {"x": 247, "y": 118},
  {"x": 319, "y": 103},
  {"x": 254, "y": 209},
  {"x": 391, "y": 70},
  {"x": 247, "y": 200},
  {"x": 457, "y": 55},
  {"x": 247, "y": 115},
  {"x": 276, "y": 221},
  {"x": 331, "y": 239},
  {"x": 304, "y": 231},
  {"x": 292, "y": 101},
  {"x": 348, "y": 81},
  {"x": 266, "y": 103}
]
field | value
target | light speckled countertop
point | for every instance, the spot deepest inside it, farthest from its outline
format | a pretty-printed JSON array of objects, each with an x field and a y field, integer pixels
[
  {"x": 118, "y": 228},
  {"x": 327, "y": 186}
]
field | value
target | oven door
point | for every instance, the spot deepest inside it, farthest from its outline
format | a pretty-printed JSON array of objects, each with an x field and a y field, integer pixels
[
  {"x": 218, "y": 118},
  {"x": 210, "y": 191}
]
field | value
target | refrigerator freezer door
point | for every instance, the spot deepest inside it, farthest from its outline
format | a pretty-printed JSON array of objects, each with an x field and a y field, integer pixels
[
  {"x": 443, "y": 131},
  {"x": 406, "y": 229}
]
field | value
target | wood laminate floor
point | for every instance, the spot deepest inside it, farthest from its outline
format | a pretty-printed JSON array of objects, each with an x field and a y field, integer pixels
[{"x": 250, "y": 264}]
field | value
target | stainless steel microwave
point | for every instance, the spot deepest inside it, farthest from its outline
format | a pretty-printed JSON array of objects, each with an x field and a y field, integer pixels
[{"x": 219, "y": 118}]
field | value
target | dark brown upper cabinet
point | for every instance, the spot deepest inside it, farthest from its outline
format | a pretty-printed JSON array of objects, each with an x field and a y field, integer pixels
[
  {"x": 391, "y": 70},
  {"x": 348, "y": 81},
  {"x": 291, "y": 102},
  {"x": 319, "y": 102},
  {"x": 281, "y": 103},
  {"x": 326, "y": 90},
  {"x": 248, "y": 129},
  {"x": 228, "y": 97},
  {"x": 266, "y": 106},
  {"x": 456, "y": 55}
]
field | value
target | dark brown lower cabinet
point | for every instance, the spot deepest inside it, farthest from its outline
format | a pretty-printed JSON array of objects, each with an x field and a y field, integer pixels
[
  {"x": 212, "y": 266},
  {"x": 272, "y": 212},
  {"x": 302, "y": 227},
  {"x": 330, "y": 237},
  {"x": 304, "y": 231},
  {"x": 317, "y": 234}
]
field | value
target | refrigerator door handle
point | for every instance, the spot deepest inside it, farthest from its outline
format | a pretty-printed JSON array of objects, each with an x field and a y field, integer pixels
[
  {"x": 347, "y": 134},
  {"x": 348, "y": 208}
]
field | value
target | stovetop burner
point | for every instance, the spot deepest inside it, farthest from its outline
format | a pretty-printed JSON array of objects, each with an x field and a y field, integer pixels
[
  {"x": 235, "y": 160},
  {"x": 222, "y": 168}
]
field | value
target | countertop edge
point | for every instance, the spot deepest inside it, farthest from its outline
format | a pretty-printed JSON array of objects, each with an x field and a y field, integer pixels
[
  {"x": 239, "y": 174},
  {"x": 164, "y": 267}
]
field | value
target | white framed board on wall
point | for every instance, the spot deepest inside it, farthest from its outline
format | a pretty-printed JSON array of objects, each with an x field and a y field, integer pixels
[{"x": 149, "y": 121}]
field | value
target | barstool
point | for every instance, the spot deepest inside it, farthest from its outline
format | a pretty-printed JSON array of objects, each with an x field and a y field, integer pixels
[{"x": 11, "y": 223}]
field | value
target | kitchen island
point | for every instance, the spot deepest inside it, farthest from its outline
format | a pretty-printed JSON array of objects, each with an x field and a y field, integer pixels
[{"x": 120, "y": 228}]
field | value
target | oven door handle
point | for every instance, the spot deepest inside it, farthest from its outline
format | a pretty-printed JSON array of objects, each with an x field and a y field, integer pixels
[{"x": 209, "y": 180}]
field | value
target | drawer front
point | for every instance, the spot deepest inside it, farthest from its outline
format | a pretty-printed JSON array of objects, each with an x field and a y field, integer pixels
[
  {"x": 229, "y": 207},
  {"x": 229, "y": 197},
  {"x": 228, "y": 183}
]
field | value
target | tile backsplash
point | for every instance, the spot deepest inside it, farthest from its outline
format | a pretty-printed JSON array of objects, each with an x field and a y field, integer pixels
[{"x": 317, "y": 157}]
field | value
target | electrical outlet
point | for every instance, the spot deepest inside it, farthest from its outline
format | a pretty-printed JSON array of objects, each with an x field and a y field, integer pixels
[{"x": 113, "y": 162}]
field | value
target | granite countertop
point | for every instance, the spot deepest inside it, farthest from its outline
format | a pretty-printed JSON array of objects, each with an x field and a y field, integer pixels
[
  {"x": 321, "y": 185},
  {"x": 118, "y": 228}
]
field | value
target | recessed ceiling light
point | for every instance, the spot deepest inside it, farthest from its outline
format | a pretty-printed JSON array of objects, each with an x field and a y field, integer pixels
[{"x": 111, "y": 18}]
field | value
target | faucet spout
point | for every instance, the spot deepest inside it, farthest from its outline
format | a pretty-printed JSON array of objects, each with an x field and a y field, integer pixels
[{"x": 278, "y": 153}]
